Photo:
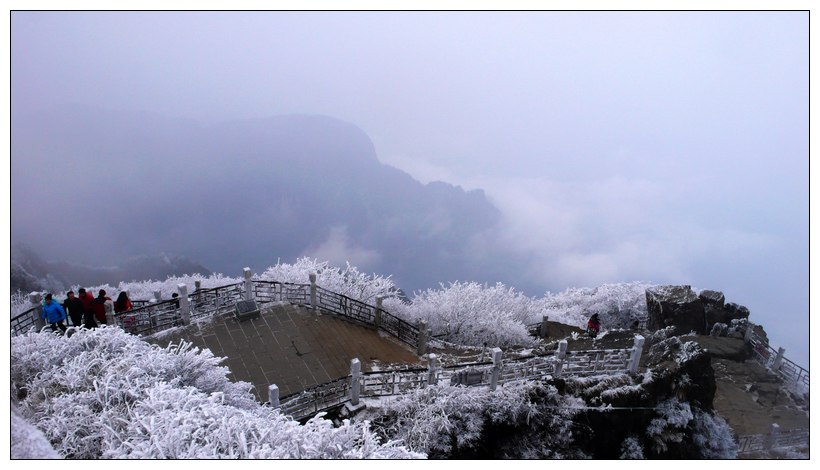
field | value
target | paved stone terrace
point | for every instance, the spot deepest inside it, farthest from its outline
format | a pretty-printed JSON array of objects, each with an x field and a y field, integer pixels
[{"x": 292, "y": 347}]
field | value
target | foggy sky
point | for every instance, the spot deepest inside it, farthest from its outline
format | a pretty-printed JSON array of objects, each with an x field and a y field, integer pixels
[{"x": 667, "y": 147}]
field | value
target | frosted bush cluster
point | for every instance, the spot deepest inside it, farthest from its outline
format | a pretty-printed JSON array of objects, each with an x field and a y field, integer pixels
[
  {"x": 710, "y": 433},
  {"x": 348, "y": 281},
  {"x": 714, "y": 436},
  {"x": 671, "y": 425},
  {"x": 444, "y": 420},
  {"x": 631, "y": 449},
  {"x": 19, "y": 303},
  {"x": 473, "y": 314},
  {"x": 617, "y": 305},
  {"x": 107, "y": 394}
]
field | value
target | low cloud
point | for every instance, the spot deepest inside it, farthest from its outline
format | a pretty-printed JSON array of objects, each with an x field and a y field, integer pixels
[{"x": 338, "y": 249}]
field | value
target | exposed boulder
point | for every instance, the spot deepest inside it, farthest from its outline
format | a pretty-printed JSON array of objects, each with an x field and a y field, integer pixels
[
  {"x": 723, "y": 347},
  {"x": 714, "y": 307},
  {"x": 735, "y": 312},
  {"x": 681, "y": 307},
  {"x": 719, "y": 329},
  {"x": 676, "y": 306},
  {"x": 712, "y": 297}
]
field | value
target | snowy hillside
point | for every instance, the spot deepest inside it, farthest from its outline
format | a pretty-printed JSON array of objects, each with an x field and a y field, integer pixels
[{"x": 107, "y": 394}]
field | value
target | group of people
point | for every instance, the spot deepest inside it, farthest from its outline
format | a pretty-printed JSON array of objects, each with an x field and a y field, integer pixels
[{"x": 84, "y": 310}]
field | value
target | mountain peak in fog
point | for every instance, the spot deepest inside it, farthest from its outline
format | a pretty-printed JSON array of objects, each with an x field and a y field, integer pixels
[{"x": 235, "y": 194}]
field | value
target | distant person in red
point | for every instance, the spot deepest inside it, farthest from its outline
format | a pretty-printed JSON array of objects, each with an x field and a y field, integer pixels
[
  {"x": 88, "y": 312},
  {"x": 123, "y": 303},
  {"x": 593, "y": 325},
  {"x": 98, "y": 307}
]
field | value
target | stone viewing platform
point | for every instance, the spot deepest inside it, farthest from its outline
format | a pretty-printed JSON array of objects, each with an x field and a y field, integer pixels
[{"x": 293, "y": 347}]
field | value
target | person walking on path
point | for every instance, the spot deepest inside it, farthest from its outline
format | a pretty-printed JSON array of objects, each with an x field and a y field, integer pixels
[
  {"x": 74, "y": 307},
  {"x": 88, "y": 311},
  {"x": 99, "y": 308},
  {"x": 54, "y": 314}
]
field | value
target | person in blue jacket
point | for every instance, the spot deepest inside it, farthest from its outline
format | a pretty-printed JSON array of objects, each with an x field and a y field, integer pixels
[{"x": 54, "y": 314}]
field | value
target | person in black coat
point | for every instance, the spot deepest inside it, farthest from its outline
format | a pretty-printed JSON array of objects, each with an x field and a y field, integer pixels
[{"x": 74, "y": 307}]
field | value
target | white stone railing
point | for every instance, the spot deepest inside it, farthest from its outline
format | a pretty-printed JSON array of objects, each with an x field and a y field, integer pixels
[
  {"x": 791, "y": 373},
  {"x": 773, "y": 440},
  {"x": 158, "y": 314},
  {"x": 356, "y": 385}
]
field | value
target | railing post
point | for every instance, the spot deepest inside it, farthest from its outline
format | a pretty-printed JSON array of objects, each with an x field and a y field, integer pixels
[
  {"x": 543, "y": 332},
  {"x": 273, "y": 395},
  {"x": 184, "y": 304},
  {"x": 432, "y": 369},
  {"x": 778, "y": 360},
  {"x": 35, "y": 299},
  {"x": 355, "y": 375},
  {"x": 749, "y": 332},
  {"x": 771, "y": 440},
  {"x": 248, "y": 284},
  {"x": 312, "y": 278},
  {"x": 421, "y": 347},
  {"x": 377, "y": 316},
  {"x": 197, "y": 295},
  {"x": 109, "y": 315},
  {"x": 559, "y": 357},
  {"x": 496, "y": 368},
  {"x": 635, "y": 357},
  {"x": 158, "y": 296}
]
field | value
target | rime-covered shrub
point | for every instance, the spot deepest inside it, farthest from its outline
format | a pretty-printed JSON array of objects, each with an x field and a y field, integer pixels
[
  {"x": 671, "y": 424},
  {"x": 348, "y": 281},
  {"x": 27, "y": 442},
  {"x": 713, "y": 436},
  {"x": 452, "y": 421},
  {"x": 710, "y": 435},
  {"x": 617, "y": 305},
  {"x": 19, "y": 303},
  {"x": 658, "y": 336},
  {"x": 631, "y": 449},
  {"x": 473, "y": 314},
  {"x": 107, "y": 394},
  {"x": 144, "y": 290},
  {"x": 602, "y": 389}
]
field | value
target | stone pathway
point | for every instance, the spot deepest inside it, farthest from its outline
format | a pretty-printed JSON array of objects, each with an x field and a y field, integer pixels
[{"x": 292, "y": 347}]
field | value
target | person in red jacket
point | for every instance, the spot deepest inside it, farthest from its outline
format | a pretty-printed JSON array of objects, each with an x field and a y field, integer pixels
[
  {"x": 88, "y": 312},
  {"x": 593, "y": 325},
  {"x": 98, "y": 307},
  {"x": 123, "y": 303}
]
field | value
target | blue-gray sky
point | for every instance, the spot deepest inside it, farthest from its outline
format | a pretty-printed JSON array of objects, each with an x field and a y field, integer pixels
[{"x": 668, "y": 147}]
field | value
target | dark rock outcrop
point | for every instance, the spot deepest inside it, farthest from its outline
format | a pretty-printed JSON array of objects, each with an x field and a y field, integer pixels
[
  {"x": 680, "y": 307},
  {"x": 713, "y": 307},
  {"x": 724, "y": 347},
  {"x": 676, "y": 306},
  {"x": 735, "y": 312}
]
